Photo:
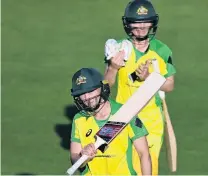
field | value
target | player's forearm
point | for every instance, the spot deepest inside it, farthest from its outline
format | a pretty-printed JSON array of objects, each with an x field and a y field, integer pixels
[
  {"x": 168, "y": 86},
  {"x": 110, "y": 75},
  {"x": 146, "y": 164}
]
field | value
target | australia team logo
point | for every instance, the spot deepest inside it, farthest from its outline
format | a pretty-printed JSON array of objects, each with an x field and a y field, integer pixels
[
  {"x": 81, "y": 80},
  {"x": 142, "y": 11}
]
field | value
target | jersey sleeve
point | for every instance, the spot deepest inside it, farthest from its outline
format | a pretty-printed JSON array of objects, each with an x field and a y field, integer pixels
[
  {"x": 74, "y": 132},
  {"x": 136, "y": 129},
  {"x": 165, "y": 62},
  {"x": 168, "y": 69}
]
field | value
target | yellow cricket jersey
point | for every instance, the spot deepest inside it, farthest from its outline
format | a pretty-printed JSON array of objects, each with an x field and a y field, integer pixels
[
  {"x": 151, "y": 115},
  {"x": 117, "y": 158},
  {"x": 126, "y": 87}
]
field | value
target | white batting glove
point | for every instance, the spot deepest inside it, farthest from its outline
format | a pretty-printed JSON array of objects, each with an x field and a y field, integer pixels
[
  {"x": 112, "y": 47},
  {"x": 126, "y": 45}
]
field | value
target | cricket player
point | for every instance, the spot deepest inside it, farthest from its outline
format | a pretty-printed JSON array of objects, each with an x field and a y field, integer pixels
[
  {"x": 129, "y": 67},
  {"x": 91, "y": 96}
]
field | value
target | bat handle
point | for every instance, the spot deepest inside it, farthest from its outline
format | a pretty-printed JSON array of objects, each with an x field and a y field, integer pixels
[
  {"x": 76, "y": 165},
  {"x": 80, "y": 161}
]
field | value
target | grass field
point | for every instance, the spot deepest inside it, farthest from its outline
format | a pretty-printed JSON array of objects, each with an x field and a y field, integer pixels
[{"x": 45, "y": 41}]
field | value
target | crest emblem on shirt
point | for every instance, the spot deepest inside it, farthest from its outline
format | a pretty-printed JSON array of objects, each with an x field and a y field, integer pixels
[{"x": 88, "y": 132}]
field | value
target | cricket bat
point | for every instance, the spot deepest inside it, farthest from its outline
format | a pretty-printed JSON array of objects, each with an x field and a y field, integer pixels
[
  {"x": 170, "y": 139},
  {"x": 124, "y": 115}
]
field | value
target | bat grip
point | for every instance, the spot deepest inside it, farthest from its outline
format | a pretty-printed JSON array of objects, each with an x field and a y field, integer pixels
[
  {"x": 80, "y": 161},
  {"x": 76, "y": 165}
]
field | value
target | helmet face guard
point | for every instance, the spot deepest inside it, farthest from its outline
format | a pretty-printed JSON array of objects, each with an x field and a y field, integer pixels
[
  {"x": 84, "y": 109},
  {"x": 140, "y": 11},
  {"x": 87, "y": 80},
  {"x": 91, "y": 111},
  {"x": 152, "y": 30}
]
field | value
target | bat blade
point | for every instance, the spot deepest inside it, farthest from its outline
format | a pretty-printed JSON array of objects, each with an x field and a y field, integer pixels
[
  {"x": 170, "y": 139},
  {"x": 140, "y": 98},
  {"x": 124, "y": 115}
]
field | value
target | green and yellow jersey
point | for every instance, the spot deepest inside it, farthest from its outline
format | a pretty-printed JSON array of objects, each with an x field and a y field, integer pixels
[
  {"x": 126, "y": 87},
  {"x": 117, "y": 158},
  {"x": 151, "y": 116}
]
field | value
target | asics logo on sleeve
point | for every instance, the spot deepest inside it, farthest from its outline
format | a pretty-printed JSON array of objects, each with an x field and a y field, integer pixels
[{"x": 88, "y": 132}]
